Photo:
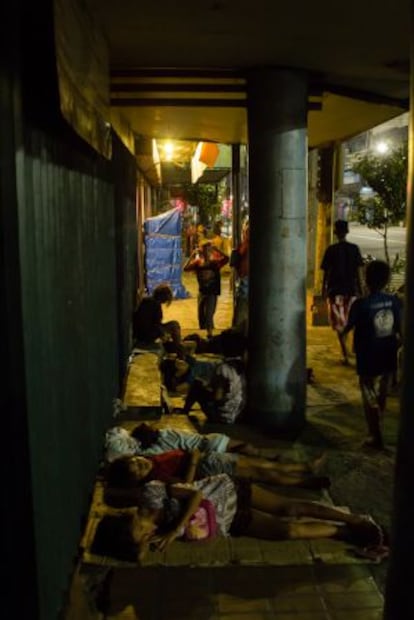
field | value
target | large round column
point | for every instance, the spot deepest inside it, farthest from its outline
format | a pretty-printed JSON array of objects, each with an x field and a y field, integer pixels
[{"x": 277, "y": 122}]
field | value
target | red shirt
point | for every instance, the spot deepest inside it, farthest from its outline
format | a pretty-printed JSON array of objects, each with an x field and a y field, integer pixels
[{"x": 170, "y": 465}]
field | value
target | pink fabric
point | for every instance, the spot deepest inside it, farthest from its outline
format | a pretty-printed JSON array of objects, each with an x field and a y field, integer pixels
[{"x": 202, "y": 524}]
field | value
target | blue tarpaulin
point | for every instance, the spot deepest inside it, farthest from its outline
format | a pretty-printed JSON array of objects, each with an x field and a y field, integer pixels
[{"x": 163, "y": 252}]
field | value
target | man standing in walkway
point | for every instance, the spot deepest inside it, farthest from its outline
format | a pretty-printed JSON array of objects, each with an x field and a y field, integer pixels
[
  {"x": 342, "y": 281},
  {"x": 206, "y": 261}
]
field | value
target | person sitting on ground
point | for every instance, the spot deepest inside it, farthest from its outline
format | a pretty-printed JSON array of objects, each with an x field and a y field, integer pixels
[
  {"x": 127, "y": 474},
  {"x": 240, "y": 263},
  {"x": 179, "y": 373},
  {"x": 221, "y": 506},
  {"x": 147, "y": 325},
  {"x": 376, "y": 321},
  {"x": 229, "y": 343},
  {"x": 147, "y": 441},
  {"x": 223, "y": 398}
]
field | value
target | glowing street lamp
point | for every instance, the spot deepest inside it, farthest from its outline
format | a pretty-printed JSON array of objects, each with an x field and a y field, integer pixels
[{"x": 382, "y": 147}]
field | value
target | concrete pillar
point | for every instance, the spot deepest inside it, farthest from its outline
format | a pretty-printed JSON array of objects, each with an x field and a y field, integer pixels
[
  {"x": 399, "y": 590},
  {"x": 277, "y": 121}
]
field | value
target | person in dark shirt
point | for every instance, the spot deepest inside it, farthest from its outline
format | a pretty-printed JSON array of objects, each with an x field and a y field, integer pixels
[
  {"x": 206, "y": 261},
  {"x": 147, "y": 325},
  {"x": 342, "y": 281},
  {"x": 376, "y": 322},
  {"x": 240, "y": 262}
]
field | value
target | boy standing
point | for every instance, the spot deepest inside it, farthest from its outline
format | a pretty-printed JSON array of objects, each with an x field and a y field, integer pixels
[
  {"x": 376, "y": 320},
  {"x": 207, "y": 261}
]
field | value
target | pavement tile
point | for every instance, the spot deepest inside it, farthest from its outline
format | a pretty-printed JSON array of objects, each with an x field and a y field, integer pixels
[
  {"x": 212, "y": 553},
  {"x": 299, "y": 603},
  {"x": 364, "y": 614},
  {"x": 333, "y": 552},
  {"x": 250, "y": 615},
  {"x": 196, "y": 580},
  {"x": 358, "y": 600},
  {"x": 245, "y": 550},
  {"x": 195, "y": 604},
  {"x": 303, "y": 615},
  {"x": 231, "y": 604},
  {"x": 285, "y": 553},
  {"x": 343, "y": 579}
]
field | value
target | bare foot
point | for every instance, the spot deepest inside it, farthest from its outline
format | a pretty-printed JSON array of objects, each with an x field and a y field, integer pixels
[{"x": 316, "y": 465}]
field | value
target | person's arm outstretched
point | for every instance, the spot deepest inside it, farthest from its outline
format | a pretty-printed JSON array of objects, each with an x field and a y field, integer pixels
[
  {"x": 196, "y": 455},
  {"x": 192, "y": 499}
]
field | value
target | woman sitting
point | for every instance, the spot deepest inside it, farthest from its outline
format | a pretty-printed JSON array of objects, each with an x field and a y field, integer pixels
[
  {"x": 221, "y": 505},
  {"x": 125, "y": 475}
]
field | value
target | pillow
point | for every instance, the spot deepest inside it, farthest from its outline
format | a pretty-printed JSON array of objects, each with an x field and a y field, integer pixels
[{"x": 118, "y": 442}]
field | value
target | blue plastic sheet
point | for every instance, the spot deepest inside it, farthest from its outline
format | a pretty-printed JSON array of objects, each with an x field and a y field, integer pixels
[{"x": 163, "y": 252}]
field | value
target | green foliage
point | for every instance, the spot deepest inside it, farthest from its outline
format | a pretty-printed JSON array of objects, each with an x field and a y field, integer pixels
[
  {"x": 204, "y": 196},
  {"x": 387, "y": 176}
]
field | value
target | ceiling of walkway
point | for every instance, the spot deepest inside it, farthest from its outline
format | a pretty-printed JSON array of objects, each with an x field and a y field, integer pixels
[{"x": 178, "y": 67}]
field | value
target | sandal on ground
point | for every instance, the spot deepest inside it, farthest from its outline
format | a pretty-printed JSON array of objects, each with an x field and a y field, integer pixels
[
  {"x": 367, "y": 534},
  {"x": 375, "y": 553}
]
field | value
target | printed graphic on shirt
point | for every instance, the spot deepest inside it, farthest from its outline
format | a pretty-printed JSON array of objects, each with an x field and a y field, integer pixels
[{"x": 384, "y": 323}]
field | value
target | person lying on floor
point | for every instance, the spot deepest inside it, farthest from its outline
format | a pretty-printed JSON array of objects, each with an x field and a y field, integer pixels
[
  {"x": 229, "y": 343},
  {"x": 125, "y": 475},
  {"x": 223, "y": 506},
  {"x": 222, "y": 397},
  {"x": 145, "y": 440}
]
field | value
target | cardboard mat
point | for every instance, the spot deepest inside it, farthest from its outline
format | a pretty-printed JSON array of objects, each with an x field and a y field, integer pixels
[{"x": 220, "y": 551}]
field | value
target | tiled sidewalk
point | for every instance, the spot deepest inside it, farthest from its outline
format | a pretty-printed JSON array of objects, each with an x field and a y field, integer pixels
[
  {"x": 241, "y": 593},
  {"x": 255, "y": 580}
]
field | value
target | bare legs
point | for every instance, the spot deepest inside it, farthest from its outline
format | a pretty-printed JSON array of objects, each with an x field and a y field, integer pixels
[
  {"x": 288, "y": 474},
  {"x": 241, "y": 447},
  {"x": 342, "y": 344},
  {"x": 374, "y": 396},
  {"x": 267, "y": 506}
]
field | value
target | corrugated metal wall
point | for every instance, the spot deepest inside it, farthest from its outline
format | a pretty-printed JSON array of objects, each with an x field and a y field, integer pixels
[
  {"x": 124, "y": 173},
  {"x": 77, "y": 231}
]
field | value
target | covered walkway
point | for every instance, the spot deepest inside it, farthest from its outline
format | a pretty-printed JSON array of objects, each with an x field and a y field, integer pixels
[{"x": 247, "y": 579}]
